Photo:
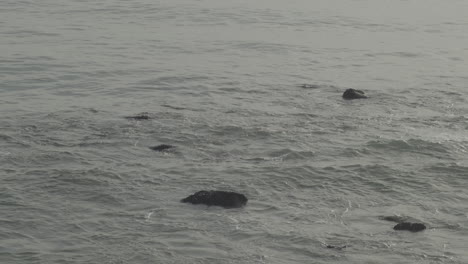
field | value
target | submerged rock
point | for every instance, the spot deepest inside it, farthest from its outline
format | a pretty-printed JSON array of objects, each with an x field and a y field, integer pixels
[
  {"x": 309, "y": 86},
  {"x": 337, "y": 247},
  {"x": 140, "y": 116},
  {"x": 413, "y": 227},
  {"x": 217, "y": 198},
  {"x": 353, "y": 94},
  {"x": 394, "y": 218},
  {"x": 162, "y": 147}
]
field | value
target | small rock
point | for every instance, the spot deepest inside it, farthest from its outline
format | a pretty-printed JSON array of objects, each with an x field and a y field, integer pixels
[
  {"x": 310, "y": 86},
  {"x": 393, "y": 218},
  {"x": 162, "y": 147},
  {"x": 353, "y": 94},
  {"x": 140, "y": 116},
  {"x": 217, "y": 198},
  {"x": 337, "y": 247},
  {"x": 413, "y": 227}
]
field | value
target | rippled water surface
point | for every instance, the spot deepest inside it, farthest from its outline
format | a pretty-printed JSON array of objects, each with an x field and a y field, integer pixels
[{"x": 223, "y": 82}]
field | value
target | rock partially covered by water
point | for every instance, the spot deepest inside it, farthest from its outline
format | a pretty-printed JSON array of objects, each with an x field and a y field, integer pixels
[
  {"x": 413, "y": 227},
  {"x": 337, "y": 247},
  {"x": 140, "y": 116},
  {"x": 162, "y": 147},
  {"x": 394, "y": 218},
  {"x": 309, "y": 86},
  {"x": 353, "y": 94},
  {"x": 217, "y": 198}
]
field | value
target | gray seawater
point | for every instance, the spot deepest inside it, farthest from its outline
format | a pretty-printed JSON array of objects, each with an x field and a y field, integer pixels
[{"x": 222, "y": 81}]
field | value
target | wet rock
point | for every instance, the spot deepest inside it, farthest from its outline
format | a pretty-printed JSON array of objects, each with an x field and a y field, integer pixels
[
  {"x": 353, "y": 94},
  {"x": 413, "y": 227},
  {"x": 162, "y": 147},
  {"x": 140, "y": 116},
  {"x": 217, "y": 198},
  {"x": 337, "y": 247}
]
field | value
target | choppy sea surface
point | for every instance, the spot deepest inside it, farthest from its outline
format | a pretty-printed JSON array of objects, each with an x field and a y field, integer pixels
[{"x": 223, "y": 82}]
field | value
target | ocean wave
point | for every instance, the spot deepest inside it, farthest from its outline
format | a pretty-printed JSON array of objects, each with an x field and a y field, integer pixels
[{"x": 419, "y": 146}]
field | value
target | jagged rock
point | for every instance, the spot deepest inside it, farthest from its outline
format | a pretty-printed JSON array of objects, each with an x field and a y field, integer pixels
[{"x": 217, "y": 198}]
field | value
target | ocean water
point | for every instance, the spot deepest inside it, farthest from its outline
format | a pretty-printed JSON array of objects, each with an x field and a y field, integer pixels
[{"x": 223, "y": 81}]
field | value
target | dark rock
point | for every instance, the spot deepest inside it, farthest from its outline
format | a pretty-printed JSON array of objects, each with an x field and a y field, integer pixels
[
  {"x": 217, "y": 198},
  {"x": 140, "y": 116},
  {"x": 413, "y": 227},
  {"x": 337, "y": 247},
  {"x": 353, "y": 94},
  {"x": 162, "y": 147}
]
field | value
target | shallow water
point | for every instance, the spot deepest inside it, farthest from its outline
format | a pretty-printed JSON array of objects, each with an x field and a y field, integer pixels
[{"x": 222, "y": 82}]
